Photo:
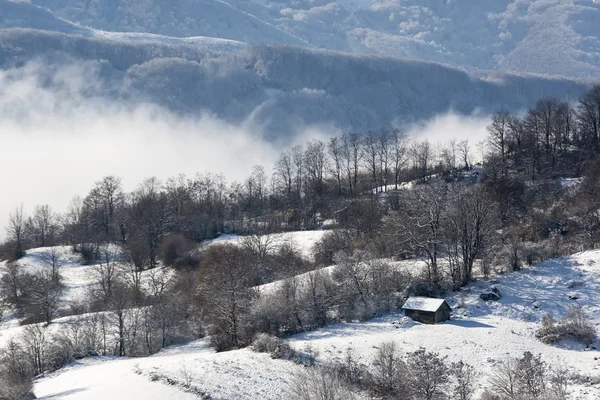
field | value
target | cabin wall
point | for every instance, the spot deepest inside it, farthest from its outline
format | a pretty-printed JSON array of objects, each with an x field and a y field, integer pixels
[
  {"x": 421, "y": 316},
  {"x": 443, "y": 314}
]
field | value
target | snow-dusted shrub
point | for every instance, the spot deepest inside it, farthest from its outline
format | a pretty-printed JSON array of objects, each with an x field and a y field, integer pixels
[
  {"x": 548, "y": 333},
  {"x": 427, "y": 374},
  {"x": 388, "y": 371},
  {"x": 265, "y": 343},
  {"x": 277, "y": 348},
  {"x": 527, "y": 378},
  {"x": 351, "y": 370},
  {"x": 89, "y": 253},
  {"x": 320, "y": 384},
  {"x": 332, "y": 242},
  {"x": 487, "y": 395},
  {"x": 577, "y": 325},
  {"x": 16, "y": 373}
]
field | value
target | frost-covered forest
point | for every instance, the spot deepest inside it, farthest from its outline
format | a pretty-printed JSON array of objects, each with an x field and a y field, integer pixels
[
  {"x": 279, "y": 90},
  {"x": 536, "y": 36}
]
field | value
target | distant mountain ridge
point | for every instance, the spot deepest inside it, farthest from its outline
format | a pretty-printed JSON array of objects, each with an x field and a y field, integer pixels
[
  {"x": 560, "y": 37},
  {"x": 280, "y": 89},
  {"x": 282, "y": 65}
]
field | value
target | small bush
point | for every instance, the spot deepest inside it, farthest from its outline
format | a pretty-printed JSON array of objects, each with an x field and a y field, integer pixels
[
  {"x": 548, "y": 332},
  {"x": 88, "y": 252},
  {"x": 265, "y": 343},
  {"x": 319, "y": 384},
  {"x": 275, "y": 347},
  {"x": 575, "y": 325}
]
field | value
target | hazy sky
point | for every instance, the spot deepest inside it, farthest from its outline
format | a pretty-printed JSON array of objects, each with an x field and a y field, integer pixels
[{"x": 55, "y": 143}]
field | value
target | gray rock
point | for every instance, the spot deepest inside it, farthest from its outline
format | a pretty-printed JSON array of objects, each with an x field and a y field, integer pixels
[{"x": 489, "y": 296}]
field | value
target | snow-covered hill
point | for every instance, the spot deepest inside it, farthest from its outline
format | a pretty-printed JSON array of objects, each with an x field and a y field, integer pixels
[
  {"x": 483, "y": 334},
  {"x": 77, "y": 279},
  {"x": 538, "y": 36}
]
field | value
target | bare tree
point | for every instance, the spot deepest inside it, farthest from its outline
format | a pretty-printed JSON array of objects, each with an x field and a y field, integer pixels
[
  {"x": 370, "y": 156},
  {"x": 399, "y": 154},
  {"x": 12, "y": 284},
  {"x": 498, "y": 133},
  {"x": 107, "y": 273},
  {"x": 315, "y": 161},
  {"x": 284, "y": 174},
  {"x": 448, "y": 155},
  {"x": 418, "y": 225},
  {"x": 42, "y": 225},
  {"x": 16, "y": 373},
  {"x": 427, "y": 374},
  {"x": 35, "y": 344},
  {"x": 464, "y": 150},
  {"x": 351, "y": 150},
  {"x": 421, "y": 154},
  {"x": 353, "y": 272},
  {"x": 464, "y": 380},
  {"x": 389, "y": 371},
  {"x": 42, "y": 297},
  {"x": 151, "y": 218},
  {"x": 385, "y": 150},
  {"x": 471, "y": 220},
  {"x": 260, "y": 245},
  {"x": 334, "y": 147},
  {"x": 225, "y": 294},
  {"x": 588, "y": 114},
  {"x": 53, "y": 259},
  {"x": 16, "y": 231}
]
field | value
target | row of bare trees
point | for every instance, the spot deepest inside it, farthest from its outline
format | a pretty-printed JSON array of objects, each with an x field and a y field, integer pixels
[
  {"x": 552, "y": 139},
  {"x": 307, "y": 182},
  {"x": 424, "y": 375}
]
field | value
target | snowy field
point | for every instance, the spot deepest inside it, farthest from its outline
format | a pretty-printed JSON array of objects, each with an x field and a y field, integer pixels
[
  {"x": 191, "y": 370},
  {"x": 482, "y": 334},
  {"x": 304, "y": 241}
]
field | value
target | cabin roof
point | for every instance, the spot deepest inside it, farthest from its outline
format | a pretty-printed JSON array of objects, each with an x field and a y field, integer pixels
[{"x": 427, "y": 304}]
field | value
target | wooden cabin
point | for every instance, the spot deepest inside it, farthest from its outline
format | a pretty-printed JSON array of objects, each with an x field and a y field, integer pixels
[{"x": 427, "y": 310}]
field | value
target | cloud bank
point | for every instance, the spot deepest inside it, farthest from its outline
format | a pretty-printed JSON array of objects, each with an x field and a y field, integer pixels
[
  {"x": 56, "y": 140},
  {"x": 59, "y": 135}
]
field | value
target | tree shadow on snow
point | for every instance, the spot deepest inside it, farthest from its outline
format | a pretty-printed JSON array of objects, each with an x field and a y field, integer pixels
[
  {"x": 62, "y": 394},
  {"x": 468, "y": 324}
]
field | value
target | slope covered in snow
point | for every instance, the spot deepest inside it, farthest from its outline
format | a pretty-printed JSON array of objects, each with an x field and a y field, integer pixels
[
  {"x": 303, "y": 241},
  {"x": 483, "y": 334},
  {"x": 191, "y": 370},
  {"x": 77, "y": 279}
]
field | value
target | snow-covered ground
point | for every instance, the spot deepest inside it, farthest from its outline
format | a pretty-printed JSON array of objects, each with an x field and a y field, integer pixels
[
  {"x": 239, "y": 374},
  {"x": 304, "y": 241},
  {"x": 482, "y": 334},
  {"x": 77, "y": 279},
  {"x": 209, "y": 43}
]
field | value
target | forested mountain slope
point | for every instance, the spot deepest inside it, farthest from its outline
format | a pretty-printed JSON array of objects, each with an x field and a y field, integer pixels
[
  {"x": 280, "y": 89},
  {"x": 537, "y": 36}
]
